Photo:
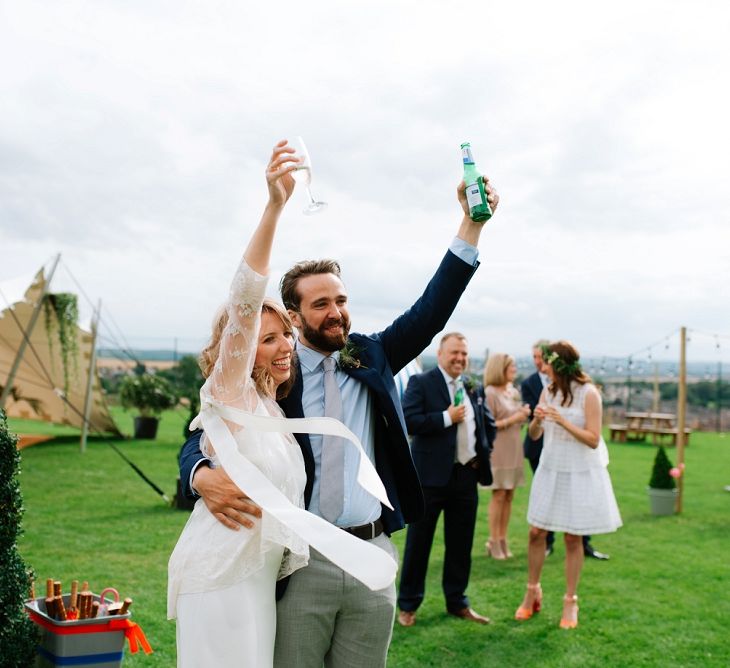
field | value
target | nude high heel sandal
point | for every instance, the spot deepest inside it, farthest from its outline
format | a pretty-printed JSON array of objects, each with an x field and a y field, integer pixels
[
  {"x": 494, "y": 550},
  {"x": 505, "y": 548},
  {"x": 529, "y": 608},
  {"x": 570, "y": 612}
]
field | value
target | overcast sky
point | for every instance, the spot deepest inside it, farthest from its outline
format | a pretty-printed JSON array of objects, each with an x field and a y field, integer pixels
[{"x": 134, "y": 136}]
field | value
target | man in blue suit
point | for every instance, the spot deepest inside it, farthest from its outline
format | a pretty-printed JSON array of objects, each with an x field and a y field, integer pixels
[
  {"x": 326, "y": 616},
  {"x": 452, "y": 430}
]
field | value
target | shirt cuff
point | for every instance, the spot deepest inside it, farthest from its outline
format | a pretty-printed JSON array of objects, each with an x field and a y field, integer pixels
[
  {"x": 197, "y": 464},
  {"x": 464, "y": 251},
  {"x": 447, "y": 420}
]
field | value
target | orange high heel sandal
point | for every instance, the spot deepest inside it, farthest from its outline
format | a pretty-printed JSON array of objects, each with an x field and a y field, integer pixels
[
  {"x": 570, "y": 612},
  {"x": 524, "y": 613}
]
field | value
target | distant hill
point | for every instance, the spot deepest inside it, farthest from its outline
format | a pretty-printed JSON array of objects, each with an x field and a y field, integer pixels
[
  {"x": 144, "y": 355},
  {"x": 607, "y": 368}
]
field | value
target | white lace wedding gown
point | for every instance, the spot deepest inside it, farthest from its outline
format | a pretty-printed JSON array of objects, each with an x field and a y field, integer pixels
[
  {"x": 571, "y": 490},
  {"x": 221, "y": 582}
]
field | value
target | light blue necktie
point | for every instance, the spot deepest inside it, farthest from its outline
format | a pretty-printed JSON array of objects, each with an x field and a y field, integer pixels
[{"x": 332, "y": 470}]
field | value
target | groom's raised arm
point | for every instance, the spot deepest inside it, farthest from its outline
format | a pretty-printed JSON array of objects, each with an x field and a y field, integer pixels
[{"x": 413, "y": 331}]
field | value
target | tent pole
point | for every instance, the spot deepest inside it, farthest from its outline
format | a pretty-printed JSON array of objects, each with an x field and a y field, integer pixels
[
  {"x": 26, "y": 335},
  {"x": 90, "y": 382}
]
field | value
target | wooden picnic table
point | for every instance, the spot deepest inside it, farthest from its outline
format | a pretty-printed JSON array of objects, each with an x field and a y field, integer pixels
[{"x": 659, "y": 426}]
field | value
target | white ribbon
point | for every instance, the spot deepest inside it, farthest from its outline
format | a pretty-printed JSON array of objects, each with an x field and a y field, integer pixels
[{"x": 364, "y": 561}]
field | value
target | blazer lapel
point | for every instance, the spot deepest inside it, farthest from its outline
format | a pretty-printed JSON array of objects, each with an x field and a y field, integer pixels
[{"x": 440, "y": 381}]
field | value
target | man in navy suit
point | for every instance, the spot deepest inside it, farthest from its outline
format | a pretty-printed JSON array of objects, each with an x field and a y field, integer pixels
[
  {"x": 532, "y": 388},
  {"x": 326, "y": 616},
  {"x": 452, "y": 429}
]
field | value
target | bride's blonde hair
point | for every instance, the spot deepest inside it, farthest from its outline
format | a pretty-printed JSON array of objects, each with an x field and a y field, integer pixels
[{"x": 261, "y": 376}]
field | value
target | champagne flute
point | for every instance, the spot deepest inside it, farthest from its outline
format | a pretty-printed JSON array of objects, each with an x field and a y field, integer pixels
[{"x": 303, "y": 175}]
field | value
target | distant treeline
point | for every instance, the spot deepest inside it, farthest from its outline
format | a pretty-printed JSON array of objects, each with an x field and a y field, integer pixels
[
  {"x": 156, "y": 355},
  {"x": 705, "y": 393}
]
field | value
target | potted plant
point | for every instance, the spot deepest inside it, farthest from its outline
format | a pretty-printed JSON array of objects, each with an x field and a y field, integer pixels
[
  {"x": 150, "y": 395},
  {"x": 662, "y": 485}
]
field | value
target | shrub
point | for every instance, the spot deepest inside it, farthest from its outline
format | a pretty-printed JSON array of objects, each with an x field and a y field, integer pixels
[
  {"x": 149, "y": 394},
  {"x": 17, "y": 632},
  {"x": 660, "y": 477}
]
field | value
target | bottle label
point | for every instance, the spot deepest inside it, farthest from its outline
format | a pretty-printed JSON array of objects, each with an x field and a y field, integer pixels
[
  {"x": 458, "y": 396},
  {"x": 474, "y": 195},
  {"x": 467, "y": 156}
]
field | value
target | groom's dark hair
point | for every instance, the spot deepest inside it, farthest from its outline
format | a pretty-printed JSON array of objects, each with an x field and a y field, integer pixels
[{"x": 289, "y": 282}]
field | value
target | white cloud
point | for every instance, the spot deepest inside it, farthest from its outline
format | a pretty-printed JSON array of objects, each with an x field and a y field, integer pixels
[{"x": 133, "y": 138}]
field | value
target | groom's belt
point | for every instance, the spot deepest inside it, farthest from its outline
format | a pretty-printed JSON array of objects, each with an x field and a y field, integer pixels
[{"x": 366, "y": 531}]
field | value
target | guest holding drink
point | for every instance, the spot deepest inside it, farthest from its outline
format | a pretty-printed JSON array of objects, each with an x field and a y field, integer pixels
[
  {"x": 571, "y": 491},
  {"x": 509, "y": 414}
]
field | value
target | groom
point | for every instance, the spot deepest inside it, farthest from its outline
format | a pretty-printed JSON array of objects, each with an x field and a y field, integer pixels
[{"x": 325, "y": 615}]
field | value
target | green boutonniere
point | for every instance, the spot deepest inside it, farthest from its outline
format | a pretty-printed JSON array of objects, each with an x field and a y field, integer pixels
[
  {"x": 470, "y": 384},
  {"x": 350, "y": 356}
]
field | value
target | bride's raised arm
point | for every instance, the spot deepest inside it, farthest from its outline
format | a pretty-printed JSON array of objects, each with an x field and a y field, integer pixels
[{"x": 230, "y": 379}]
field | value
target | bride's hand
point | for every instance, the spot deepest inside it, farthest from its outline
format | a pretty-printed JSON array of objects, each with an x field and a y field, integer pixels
[{"x": 279, "y": 177}]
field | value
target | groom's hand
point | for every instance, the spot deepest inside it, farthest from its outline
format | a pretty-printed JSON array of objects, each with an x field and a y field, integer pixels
[
  {"x": 228, "y": 504},
  {"x": 470, "y": 231}
]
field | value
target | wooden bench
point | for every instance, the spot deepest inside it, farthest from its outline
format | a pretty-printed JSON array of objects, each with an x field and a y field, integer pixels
[
  {"x": 618, "y": 432},
  {"x": 671, "y": 435},
  {"x": 621, "y": 433}
]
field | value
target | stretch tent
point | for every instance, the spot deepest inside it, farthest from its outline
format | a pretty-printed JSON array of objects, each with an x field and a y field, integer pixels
[{"x": 39, "y": 381}]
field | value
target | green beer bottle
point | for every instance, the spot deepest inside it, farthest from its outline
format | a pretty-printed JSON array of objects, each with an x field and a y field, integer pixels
[
  {"x": 479, "y": 209},
  {"x": 459, "y": 394}
]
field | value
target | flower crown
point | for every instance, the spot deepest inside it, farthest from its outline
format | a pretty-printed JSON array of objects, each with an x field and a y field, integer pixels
[{"x": 561, "y": 366}]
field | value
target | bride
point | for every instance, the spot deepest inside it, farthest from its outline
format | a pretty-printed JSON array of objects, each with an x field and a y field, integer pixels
[{"x": 221, "y": 582}]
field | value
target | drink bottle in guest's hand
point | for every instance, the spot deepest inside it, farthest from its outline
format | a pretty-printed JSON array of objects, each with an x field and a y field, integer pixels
[
  {"x": 476, "y": 196},
  {"x": 459, "y": 394}
]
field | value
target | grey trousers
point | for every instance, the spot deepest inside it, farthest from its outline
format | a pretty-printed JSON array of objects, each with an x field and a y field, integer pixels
[{"x": 326, "y": 617}]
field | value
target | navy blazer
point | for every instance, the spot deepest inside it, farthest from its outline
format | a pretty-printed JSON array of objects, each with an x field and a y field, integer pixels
[
  {"x": 531, "y": 389},
  {"x": 434, "y": 446},
  {"x": 381, "y": 356}
]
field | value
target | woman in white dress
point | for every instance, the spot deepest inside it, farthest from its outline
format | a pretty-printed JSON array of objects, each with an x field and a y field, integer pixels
[
  {"x": 221, "y": 583},
  {"x": 571, "y": 491}
]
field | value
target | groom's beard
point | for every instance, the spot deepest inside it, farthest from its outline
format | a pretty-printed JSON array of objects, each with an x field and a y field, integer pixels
[{"x": 321, "y": 339}]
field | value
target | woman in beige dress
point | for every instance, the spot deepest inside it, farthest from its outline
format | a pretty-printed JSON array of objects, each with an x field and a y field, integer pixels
[{"x": 507, "y": 457}]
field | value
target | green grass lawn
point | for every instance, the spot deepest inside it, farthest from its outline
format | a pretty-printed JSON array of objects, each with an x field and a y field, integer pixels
[{"x": 661, "y": 600}]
